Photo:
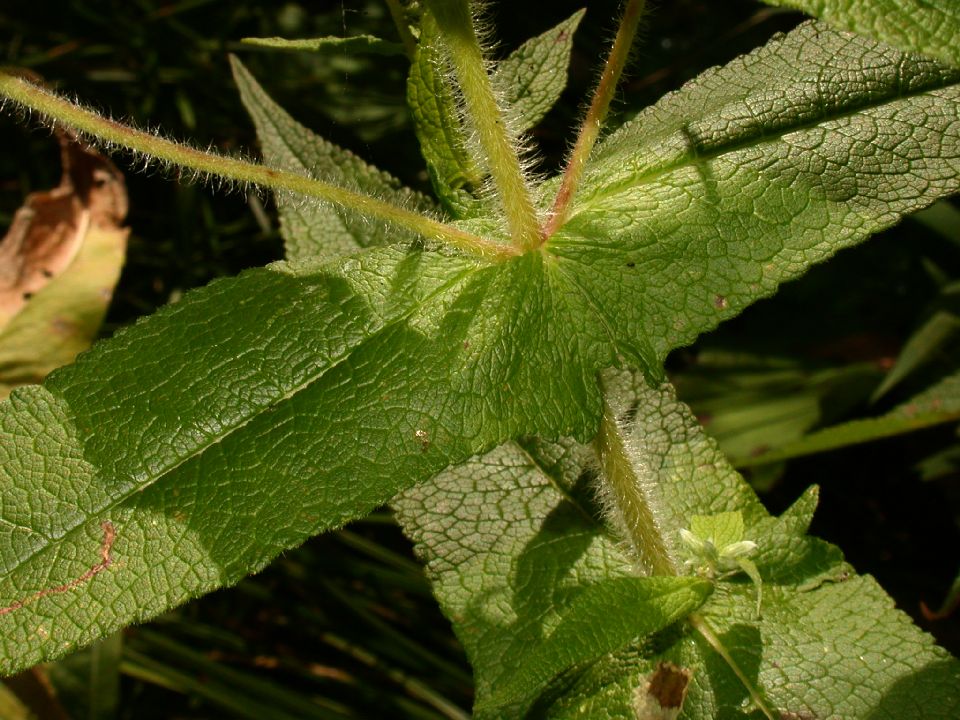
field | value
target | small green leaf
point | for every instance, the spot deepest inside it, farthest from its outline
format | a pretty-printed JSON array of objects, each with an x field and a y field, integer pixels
[
  {"x": 721, "y": 529},
  {"x": 534, "y": 75},
  {"x": 924, "y": 26},
  {"x": 314, "y": 229},
  {"x": 360, "y": 44}
]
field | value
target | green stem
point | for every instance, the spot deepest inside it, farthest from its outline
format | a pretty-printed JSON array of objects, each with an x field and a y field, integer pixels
[
  {"x": 627, "y": 494},
  {"x": 456, "y": 25},
  {"x": 66, "y": 113},
  {"x": 596, "y": 114},
  {"x": 403, "y": 29},
  {"x": 703, "y": 627}
]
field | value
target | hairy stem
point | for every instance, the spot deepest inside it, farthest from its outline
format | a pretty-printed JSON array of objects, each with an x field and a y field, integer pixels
[
  {"x": 456, "y": 25},
  {"x": 403, "y": 29},
  {"x": 596, "y": 114},
  {"x": 626, "y": 493},
  {"x": 63, "y": 112}
]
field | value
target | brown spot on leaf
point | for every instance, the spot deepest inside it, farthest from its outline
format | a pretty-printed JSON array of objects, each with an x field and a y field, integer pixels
[
  {"x": 663, "y": 695},
  {"x": 720, "y": 302},
  {"x": 423, "y": 437}
]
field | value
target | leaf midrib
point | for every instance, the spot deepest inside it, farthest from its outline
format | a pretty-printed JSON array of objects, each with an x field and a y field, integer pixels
[
  {"x": 200, "y": 449},
  {"x": 753, "y": 139}
]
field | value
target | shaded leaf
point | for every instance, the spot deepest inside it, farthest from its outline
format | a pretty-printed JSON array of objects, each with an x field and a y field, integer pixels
[
  {"x": 454, "y": 172},
  {"x": 530, "y": 79},
  {"x": 532, "y": 583},
  {"x": 508, "y": 538}
]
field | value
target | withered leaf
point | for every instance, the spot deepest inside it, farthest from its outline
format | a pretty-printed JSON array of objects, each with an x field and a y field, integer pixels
[{"x": 59, "y": 262}]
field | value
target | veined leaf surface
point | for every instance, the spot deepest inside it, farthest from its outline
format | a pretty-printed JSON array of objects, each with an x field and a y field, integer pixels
[
  {"x": 512, "y": 538},
  {"x": 752, "y": 172},
  {"x": 924, "y": 26}
]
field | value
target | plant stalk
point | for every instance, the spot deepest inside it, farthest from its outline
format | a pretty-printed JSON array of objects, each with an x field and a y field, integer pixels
[
  {"x": 703, "y": 627},
  {"x": 456, "y": 25},
  {"x": 403, "y": 30},
  {"x": 627, "y": 496},
  {"x": 596, "y": 114},
  {"x": 112, "y": 133}
]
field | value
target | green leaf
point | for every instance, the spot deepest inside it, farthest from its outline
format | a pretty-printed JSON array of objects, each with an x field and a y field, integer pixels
[
  {"x": 511, "y": 536},
  {"x": 530, "y": 79},
  {"x": 453, "y": 171},
  {"x": 601, "y": 619},
  {"x": 267, "y": 394},
  {"x": 722, "y": 529},
  {"x": 360, "y": 44},
  {"x": 925, "y": 26},
  {"x": 312, "y": 228},
  {"x": 533, "y": 584},
  {"x": 751, "y": 173},
  {"x": 938, "y": 404},
  {"x": 534, "y": 75}
]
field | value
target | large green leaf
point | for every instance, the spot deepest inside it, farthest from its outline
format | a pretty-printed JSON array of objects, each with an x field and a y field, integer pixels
[
  {"x": 511, "y": 541},
  {"x": 281, "y": 403},
  {"x": 754, "y": 171},
  {"x": 312, "y": 228},
  {"x": 926, "y": 26},
  {"x": 189, "y": 450}
]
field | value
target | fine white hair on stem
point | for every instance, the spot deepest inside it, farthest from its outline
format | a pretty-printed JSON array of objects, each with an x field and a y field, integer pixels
[
  {"x": 137, "y": 161},
  {"x": 237, "y": 173},
  {"x": 512, "y": 123}
]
